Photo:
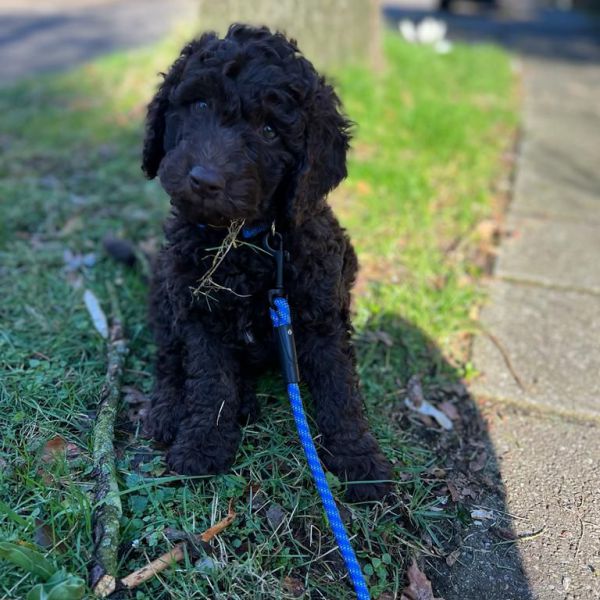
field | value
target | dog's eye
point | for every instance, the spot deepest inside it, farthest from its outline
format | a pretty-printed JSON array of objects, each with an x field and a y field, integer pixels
[
  {"x": 269, "y": 133},
  {"x": 201, "y": 105}
]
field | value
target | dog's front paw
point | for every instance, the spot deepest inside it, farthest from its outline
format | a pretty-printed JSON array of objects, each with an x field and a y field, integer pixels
[
  {"x": 203, "y": 453},
  {"x": 362, "y": 465}
]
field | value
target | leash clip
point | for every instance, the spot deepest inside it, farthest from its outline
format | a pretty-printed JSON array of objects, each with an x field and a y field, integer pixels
[
  {"x": 280, "y": 311},
  {"x": 277, "y": 252}
]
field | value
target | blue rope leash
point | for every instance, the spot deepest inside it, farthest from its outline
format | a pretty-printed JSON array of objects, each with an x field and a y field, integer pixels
[{"x": 280, "y": 316}]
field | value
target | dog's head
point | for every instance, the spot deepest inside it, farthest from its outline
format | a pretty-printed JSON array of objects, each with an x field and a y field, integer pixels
[{"x": 244, "y": 128}]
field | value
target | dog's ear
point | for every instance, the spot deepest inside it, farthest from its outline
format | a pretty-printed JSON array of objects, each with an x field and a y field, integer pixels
[
  {"x": 326, "y": 144},
  {"x": 154, "y": 141}
]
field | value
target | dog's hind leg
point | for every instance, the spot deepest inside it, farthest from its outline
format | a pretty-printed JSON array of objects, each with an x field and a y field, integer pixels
[{"x": 208, "y": 435}]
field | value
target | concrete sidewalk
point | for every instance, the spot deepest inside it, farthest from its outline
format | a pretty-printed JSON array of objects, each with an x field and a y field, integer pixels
[{"x": 543, "y": 357}]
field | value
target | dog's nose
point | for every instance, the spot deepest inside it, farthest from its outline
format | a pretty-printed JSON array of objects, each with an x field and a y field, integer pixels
[{"x": 206, "y": 181}]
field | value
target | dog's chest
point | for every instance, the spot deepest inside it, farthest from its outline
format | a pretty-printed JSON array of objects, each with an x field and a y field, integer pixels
[{"x": 231, "y": 297}]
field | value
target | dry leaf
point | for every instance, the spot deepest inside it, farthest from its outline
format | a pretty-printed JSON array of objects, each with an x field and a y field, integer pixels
[
  {"x": 488, "y": 230},
  {"x": 427, "y": 421},
  {"x": 459, "y": 490},
  {"x": 480, "y": 513},
  {"x": 467, "y": 492},
  {"x": 259, "y": 500},
  {"x": 43, "y": 535},
  {"x": 58, "y": 446},
  {"x": 449, "y": 410},
  {"x": 419, "y": 587},
  {"x": 504, "y": 533},
  {"x": 479, "y": 463},
  {"x": 431, "y": 411},
  {"x": 173, "y": 535},
  {"x": 138, "y": 402},
  {"x": 52, "y": 448},
  {"x": 454, "y": 493},
  {"x": 415, "y": 391},
  {"x": 452, "y": 557},
  {"x": 293, "y": 586},
  {"x": 437, "y": 472},
  {"x": 275, "y": 515}
]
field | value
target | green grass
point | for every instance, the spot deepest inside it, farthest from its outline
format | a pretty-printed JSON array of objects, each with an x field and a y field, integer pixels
[{"x": 431, "y": 130}]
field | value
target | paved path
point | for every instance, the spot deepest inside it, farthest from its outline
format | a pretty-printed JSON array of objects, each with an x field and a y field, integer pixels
[
  {"x": 544, "y": 311},
  {"x": 539, "y": 390},
  {"x": 42, "y": 36}
]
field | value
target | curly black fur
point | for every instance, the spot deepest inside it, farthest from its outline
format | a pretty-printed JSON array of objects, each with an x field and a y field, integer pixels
[{"x": 244, "y": 128}]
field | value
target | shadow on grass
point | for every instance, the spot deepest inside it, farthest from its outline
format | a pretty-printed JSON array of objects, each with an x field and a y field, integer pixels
[
  {"x": 477, "y": 554},
  {"x": 448, "y": 506}
]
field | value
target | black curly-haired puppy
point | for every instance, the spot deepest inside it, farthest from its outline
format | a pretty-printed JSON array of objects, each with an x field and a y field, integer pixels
[{"x": 244, "y": 128}]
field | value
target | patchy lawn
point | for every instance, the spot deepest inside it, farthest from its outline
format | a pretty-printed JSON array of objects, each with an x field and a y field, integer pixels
[{"x": 431, "y": 132}]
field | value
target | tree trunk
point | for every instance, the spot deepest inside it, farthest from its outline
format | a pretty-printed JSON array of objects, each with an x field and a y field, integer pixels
[{"x": 329, "y": 32}]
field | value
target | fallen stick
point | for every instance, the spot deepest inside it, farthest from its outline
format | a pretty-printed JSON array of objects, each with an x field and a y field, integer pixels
[
  {"x": 507, "y": 361},
  {"x": 108, "y": 511},
  {"x": 176, "y": 554}
]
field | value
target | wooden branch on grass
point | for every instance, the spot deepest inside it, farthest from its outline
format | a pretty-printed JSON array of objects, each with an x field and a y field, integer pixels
[
  {"x": 108, "y": 511},
  {"x": 176, "y": 554}
]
